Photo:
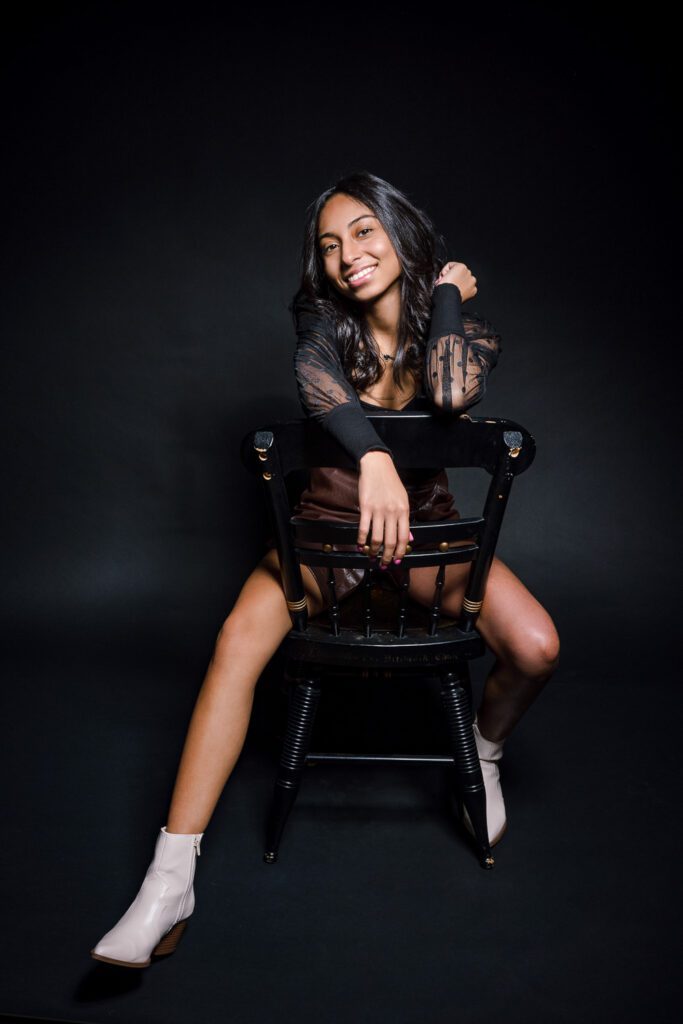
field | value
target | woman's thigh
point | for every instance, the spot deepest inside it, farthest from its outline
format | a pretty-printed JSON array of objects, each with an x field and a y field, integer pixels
[
  {"x": 260, "y": 620},
  {"x": 512, "y": 622},
  {"x": 263, "y": 591}
]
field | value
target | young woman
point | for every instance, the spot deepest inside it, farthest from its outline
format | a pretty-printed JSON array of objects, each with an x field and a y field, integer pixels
[{"x": 379, "y": 323}]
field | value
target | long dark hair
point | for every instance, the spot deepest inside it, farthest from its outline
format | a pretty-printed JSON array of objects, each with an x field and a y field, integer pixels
[{"x": 420, "y": 253}]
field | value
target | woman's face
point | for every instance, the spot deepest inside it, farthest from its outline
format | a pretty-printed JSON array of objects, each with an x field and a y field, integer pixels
[{"x": 357, "y": 254}]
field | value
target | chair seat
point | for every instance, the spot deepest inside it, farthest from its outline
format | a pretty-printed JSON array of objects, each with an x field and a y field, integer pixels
[{"x": 384, "y": 648}]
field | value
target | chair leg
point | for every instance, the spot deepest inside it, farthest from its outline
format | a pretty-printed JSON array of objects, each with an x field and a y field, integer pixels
[
  {"x": 303, "y": 704},
  {"x": 456, "y": 697}
]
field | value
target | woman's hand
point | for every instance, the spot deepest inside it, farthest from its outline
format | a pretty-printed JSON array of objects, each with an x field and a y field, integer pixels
[
  {"x": 459, "y": 274},
  {"x": 384, "y": 503}
]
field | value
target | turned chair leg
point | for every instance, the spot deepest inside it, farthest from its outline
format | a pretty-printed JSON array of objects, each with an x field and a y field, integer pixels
[
  {"x": 455, "y": 694},
  {"x": 303, "y": 704}
]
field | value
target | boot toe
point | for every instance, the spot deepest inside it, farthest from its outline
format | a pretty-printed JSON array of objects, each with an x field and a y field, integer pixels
[
  {"x": 112, "y": 954},
  {"x": 116, "y": 946}
]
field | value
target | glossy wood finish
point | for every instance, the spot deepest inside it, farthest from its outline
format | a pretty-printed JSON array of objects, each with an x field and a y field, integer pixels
[{"x": 377, "y": 629}]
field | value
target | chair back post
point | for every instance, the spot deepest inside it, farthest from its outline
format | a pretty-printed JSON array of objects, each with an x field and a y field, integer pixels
[
  {"x": 494, "y": 509},
  {"x": 278, "y": 505}
]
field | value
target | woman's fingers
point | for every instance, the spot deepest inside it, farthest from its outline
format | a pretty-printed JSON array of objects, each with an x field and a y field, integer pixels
[
  {"x": 404, "y": 535},
  {"x": 377, "y": 534},
  {"x": 390, "y": 536},
  {"x": 384, "y": 506},
  {"x": 459, "y": 274},
  {"x": 364, "y": 526},
  {"x": 390, "y": 533}
]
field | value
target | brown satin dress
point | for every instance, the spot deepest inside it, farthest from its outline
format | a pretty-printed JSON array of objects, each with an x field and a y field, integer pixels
[{"x": 332, "y": 493}]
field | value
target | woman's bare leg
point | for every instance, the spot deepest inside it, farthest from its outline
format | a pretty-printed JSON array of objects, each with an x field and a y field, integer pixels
[
  {"x": 515, "y": 627},
  {"x": 246, "y": 642}
]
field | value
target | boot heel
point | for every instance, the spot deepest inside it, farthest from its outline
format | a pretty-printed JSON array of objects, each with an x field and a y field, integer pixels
[{"x": 170, "y": 939}]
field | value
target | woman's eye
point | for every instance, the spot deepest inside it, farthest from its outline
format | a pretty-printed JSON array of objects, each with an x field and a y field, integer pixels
[{"x": 324, "y": 251}]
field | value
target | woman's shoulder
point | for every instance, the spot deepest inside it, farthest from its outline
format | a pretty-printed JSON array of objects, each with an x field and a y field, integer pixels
[
  {"x": 308, "y": 311},
  {"x": 314, "y": 325}
]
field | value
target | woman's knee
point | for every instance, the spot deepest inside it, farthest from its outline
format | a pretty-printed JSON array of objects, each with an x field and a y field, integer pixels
[
  {"x": 230, "y": 632},
  {"x": 246, "y": 625},
  {"x": 247, "y": 628},
  {"x": 260, "y": 617},
  {"x": 536, "y": 652},
  {"x": 239, "y": 643}
]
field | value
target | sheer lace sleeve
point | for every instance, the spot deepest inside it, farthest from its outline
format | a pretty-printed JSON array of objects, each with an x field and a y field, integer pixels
[
  {"x": 461, "y": 351},
  {"x": 324, "y": 392}
]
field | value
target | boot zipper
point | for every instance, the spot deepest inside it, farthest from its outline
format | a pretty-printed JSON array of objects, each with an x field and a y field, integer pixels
[{"x": 196, "y": 841}]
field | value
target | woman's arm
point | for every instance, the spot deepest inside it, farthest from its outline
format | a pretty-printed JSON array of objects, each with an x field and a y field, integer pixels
[
  {"x": 461, "y": 351},
  {"x": 324, "y": 392},
  {"x": 328, "y": 397}
]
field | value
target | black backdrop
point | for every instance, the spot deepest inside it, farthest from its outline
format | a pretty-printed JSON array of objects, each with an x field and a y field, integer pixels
[{"x": 157, "y": 165}]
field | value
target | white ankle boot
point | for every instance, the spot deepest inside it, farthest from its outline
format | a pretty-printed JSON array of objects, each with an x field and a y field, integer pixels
[
  {"x": 489, "y": 755},
  {"x": 156, "y": 918}
]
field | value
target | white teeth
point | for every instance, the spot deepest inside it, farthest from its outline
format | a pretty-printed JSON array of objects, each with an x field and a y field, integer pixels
[{"x": 361, "y": 273}]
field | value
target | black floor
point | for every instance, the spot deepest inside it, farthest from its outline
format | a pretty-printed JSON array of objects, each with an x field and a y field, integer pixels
[{"x": 377, "y": 910}]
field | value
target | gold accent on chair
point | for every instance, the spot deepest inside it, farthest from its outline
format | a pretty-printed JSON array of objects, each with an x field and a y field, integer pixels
[
  {"x": 471, "y": 606},
  {"x": 443, "y": 545},
  {"x": 297, "y": 606},
  {"x": 327, "y": 547},
  {"x": 267, "y": 476}
]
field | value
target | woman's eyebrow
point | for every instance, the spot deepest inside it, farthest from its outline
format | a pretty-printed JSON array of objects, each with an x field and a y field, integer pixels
[{"x": 331, "y": 234}]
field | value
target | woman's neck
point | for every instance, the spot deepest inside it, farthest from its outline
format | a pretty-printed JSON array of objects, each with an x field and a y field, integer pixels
[{"x": 382, "y": 318}]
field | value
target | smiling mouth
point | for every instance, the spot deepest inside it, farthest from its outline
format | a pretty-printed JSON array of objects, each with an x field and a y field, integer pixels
[{"x": 362, "y": 275}]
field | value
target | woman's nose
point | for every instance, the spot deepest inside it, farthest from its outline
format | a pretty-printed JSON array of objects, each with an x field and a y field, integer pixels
[{"x": 350, "y": 253}]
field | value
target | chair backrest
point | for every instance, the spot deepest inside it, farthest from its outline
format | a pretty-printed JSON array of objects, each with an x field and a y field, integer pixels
[{"x": 418, "y": 440}]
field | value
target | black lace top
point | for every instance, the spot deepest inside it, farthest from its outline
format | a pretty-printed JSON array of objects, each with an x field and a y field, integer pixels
[{"x": 461, "y": 350}]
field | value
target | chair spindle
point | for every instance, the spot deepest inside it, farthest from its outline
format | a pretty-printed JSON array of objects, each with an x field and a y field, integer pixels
[
  {"x": 436, "y": 603},
  {"x": 367, "y": 582},
  {"x": 403, "y": 601},
  {"x": 334, "y": 604}
]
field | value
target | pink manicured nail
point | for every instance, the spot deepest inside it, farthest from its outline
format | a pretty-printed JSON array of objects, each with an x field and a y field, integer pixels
[
  {"x": 397, "y": 561},
  {"x": 382, "y": 565},
  {"x": 411, "y": 535}
]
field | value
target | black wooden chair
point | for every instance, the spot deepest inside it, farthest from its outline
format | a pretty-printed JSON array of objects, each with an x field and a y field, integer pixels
[{"x": 390, "y": 631}]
